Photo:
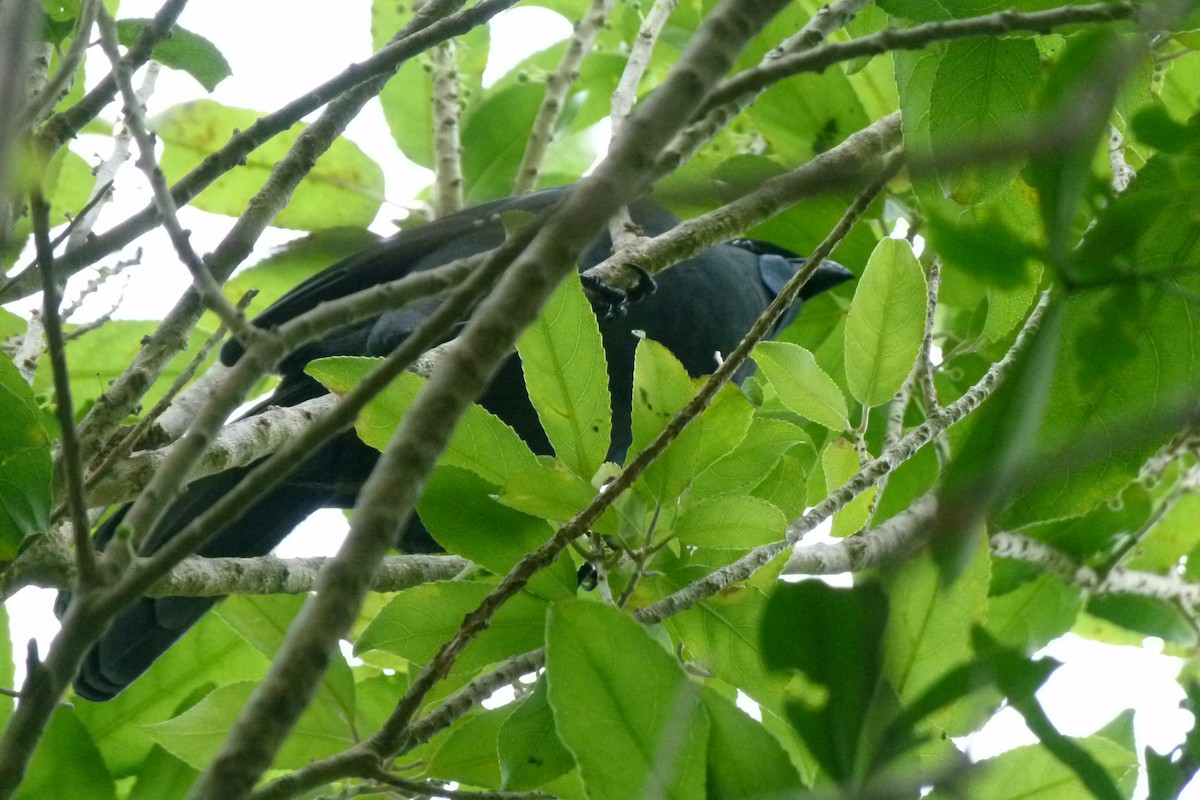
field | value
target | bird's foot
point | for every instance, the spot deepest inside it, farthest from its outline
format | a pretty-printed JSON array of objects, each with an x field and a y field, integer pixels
[{"x": 609, "y": 301}]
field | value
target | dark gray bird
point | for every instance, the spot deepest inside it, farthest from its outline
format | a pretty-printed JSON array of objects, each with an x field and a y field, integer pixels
[{"x": 699, "y": 308}]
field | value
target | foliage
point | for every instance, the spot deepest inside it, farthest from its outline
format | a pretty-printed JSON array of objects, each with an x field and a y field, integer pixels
[{"x": 975, "y": 533}]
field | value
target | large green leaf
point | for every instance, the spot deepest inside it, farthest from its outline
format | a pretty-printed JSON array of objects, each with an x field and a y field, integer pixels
[
  {"x": 980, "y": 95},
  {"x": 182, "y": 50},
  {"x": 742, "y": 469},
  {"x": 66, "y": 764},
  {"x": 834, "y": 637},
  {"x": 886, "y": 323},
  {"x": 418, "y": 621},
  {"x": 661, "y": 387},
  {"x": 468, "y": 753},
  {"x": 462, "y": 513},
  {"x": 562, "y": 358},
  {"x": 929, "y": 629},
  {"x": 197, "y": 734},
  {"x": 623, "y": 706},
  {"x": 801, "y": 384},
  {"x": 744, "y": 760},
  {"x": 1032, "y": 615},
  {"x": 344, "y": 188},
  {"x": 210, "y": 654},
  {"x": 735, "y": 523},
  {"x": 531, "y": 753}
]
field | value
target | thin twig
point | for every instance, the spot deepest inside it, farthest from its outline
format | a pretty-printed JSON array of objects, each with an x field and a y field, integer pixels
[
  {"x": 101, "y": 320},
  {"x": 448, "y": 177},
  {"x": 621, "y": 229},
  {"x": 202, "y": 279},
  {"x": 752, "y": 81},
  {"x": 557, "y": 86},
  {"x": 102, "y": 275},
  {"x": 70, "y": 462},
  {"x": 106, "y": 173}
]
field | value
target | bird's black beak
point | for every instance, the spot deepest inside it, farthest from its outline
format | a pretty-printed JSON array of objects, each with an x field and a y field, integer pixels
[{"x": 828, "y": 275}]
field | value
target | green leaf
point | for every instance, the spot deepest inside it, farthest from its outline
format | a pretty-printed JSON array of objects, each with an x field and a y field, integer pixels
[
  {"x": 834, "y": 637},
  {"x": 182, "y": 50},
  {"x": 722, "y": 633},
  {"x": 197, "y": 734},
  {"x": 26, "y": 471},
  {"x": 344, "y": 188},
  {"x": 840, "y": 463},
  {"x": 802, "y": 386},
  {"x": 566, "y": 375},
  {"x": 995, "y": 253},
  {"x": 785, "y": 487},
  {"x": 734, "y": 523},
  {"x": 1174, "y": 535},
  {"x": 886, "y": 323},
  {"x": 162, "y": 775},
  {"x": 660, "y": 388},
  {"x": 469, "y": 752},
  {"x": 980, "y": 95},
  {"x": 547, "y": 492},
  {"x": 1148, "y": 616},
  {"x": 493, "y": 140},
  {"x": 209, "y": 655},
  {"x": 531, "y": 754},
  {"x": 263, "y": 621},
  {"x": 481, "y": 443},
  {"x": 620, "y": 699},
  {"x": 407, "y": 99},
  {"x": 744, "y": 760},
  {"x": 461, "y": 511},
  {"x": 929, "y": 629},
  {"x": 420, "y": 620},
  {"x": 1127, "y": 357},
  {"x": 737, "y": 473},
  {"x": 1031, "y": 616},
  {"x": 66, "y": 764}
]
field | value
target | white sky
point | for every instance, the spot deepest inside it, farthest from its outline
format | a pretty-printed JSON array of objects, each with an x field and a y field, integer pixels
[{"x": 1096, "y": 682}]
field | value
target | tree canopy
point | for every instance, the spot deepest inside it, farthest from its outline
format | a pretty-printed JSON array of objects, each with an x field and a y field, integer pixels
[{"x": 998, "y": 419}]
